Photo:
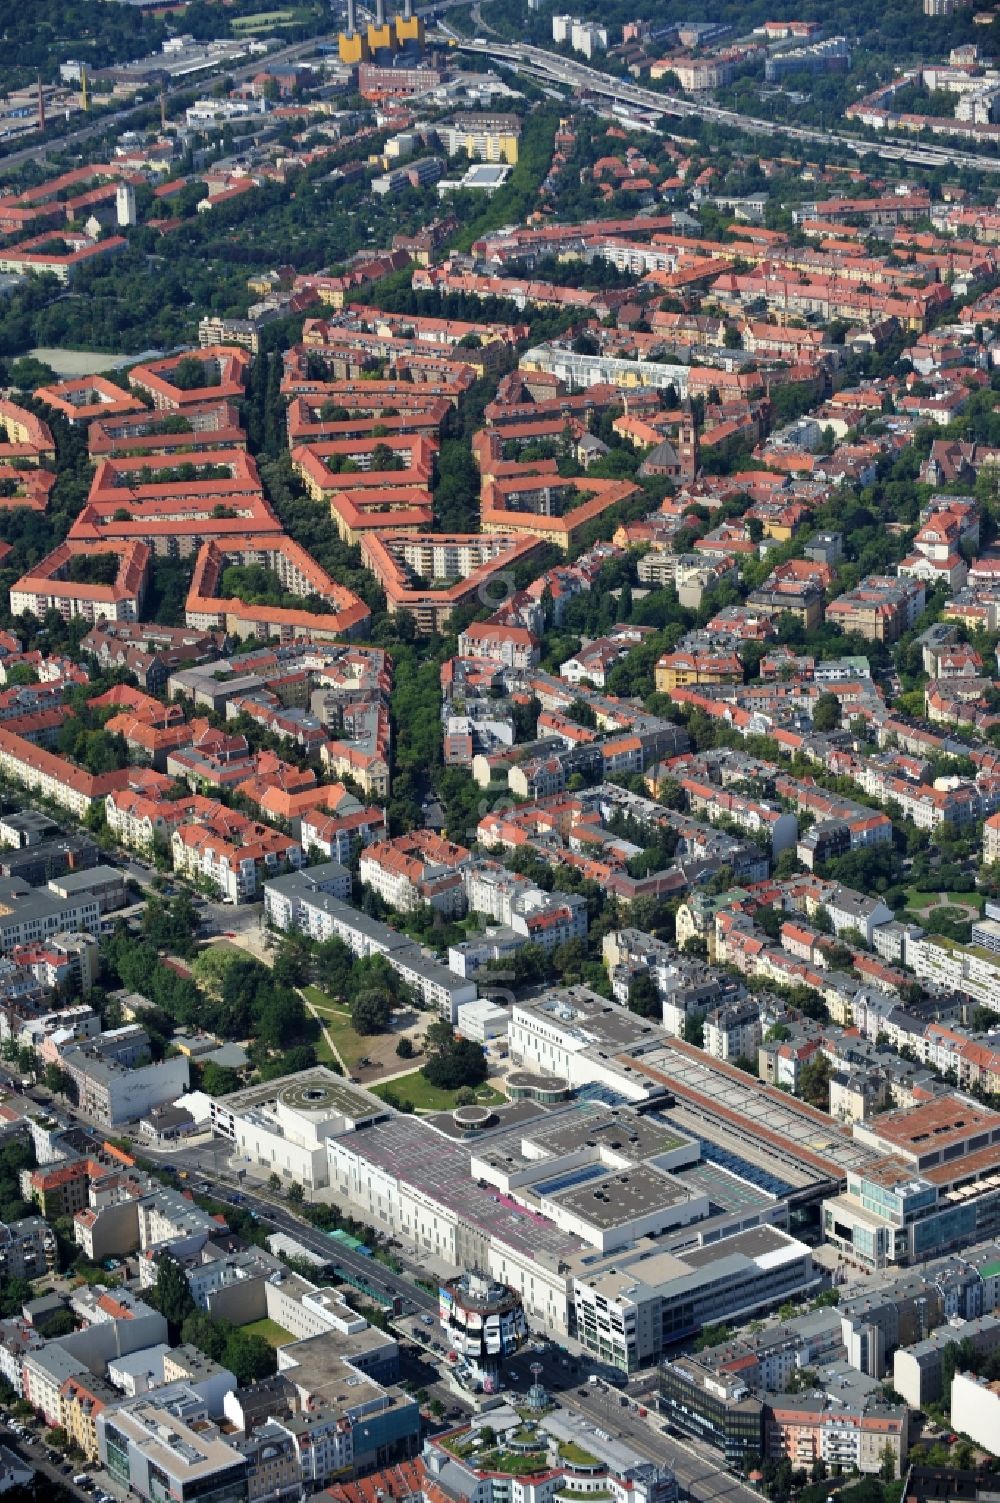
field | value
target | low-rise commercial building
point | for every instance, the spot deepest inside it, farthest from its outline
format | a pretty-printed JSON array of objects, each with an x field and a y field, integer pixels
[
  {"x": 630, "y": 1314},
  {"x": 164, "y": 1443}
]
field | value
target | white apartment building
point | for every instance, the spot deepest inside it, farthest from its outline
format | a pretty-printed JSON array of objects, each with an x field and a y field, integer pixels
[
  {"x": 323, "y": 916},
  {"x": 323, "y": 1445},
  {"x": 852, "y": 910},
  {"x": 977, "y": 1403},
  {"x": 733, "y": 1032},
  {"x": 43, "y": 772},
  {"x": 284, "y": 896},
  {"x": 406, "y": 881},
  {"x": 234, "y": 868},
  {"x": 135, "y": 819},
  {"x": 940, "y": 962},
  {"x": 589, "y": 38},
  {"x": 448, "y": 557},
  {"x": 112, "y": 1093},
  {"x": 17, "y": 1338},
  {"x": 548, "y": 918},
  {"x": 45, "y": 1371},
  {"x": 335, "y": 836}
]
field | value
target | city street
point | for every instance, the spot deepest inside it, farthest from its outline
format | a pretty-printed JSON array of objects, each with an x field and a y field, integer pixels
[
  {"x": 35, "y": 1452},
  {"x": 699, "y": 1471},
  {"x": 564, "y": 1374},
  {"x": 207, "y": 1163}
]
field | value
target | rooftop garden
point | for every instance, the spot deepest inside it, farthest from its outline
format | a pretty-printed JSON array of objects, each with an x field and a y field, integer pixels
[
  {"x": 575, "y": 1455},
  {"x": 488, "y": 1454}
]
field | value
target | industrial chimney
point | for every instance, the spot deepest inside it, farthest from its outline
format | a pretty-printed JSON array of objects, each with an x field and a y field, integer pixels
[
  {"x": 380, "y": 13},
  {"x": 407, "y": 10},
  {"x": 352, "y": 18}
]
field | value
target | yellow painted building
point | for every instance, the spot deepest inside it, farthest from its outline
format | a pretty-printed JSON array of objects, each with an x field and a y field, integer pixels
[
  {"x": 678, "y": 670},
  {"x": 82, "y": 1399},
  {"x": 483, "y": 137}
]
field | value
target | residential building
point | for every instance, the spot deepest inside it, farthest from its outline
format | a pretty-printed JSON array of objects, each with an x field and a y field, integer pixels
[
  {"x": 976, "y": 1402},
  {"x": 416, "y": 869},
  {"x": 27, "y": 1248},
  {"x": 483, "y": 137},
  {"x": 880, "y": 608},
  {"x": 733, "y": 1032},
  {"x": 812, "y": 1427},
  {"x": 321, "y": 916},
  {"x": 112, "y": 1092},
  {"x": 231, "y": 854},
  {"x": 59, "y": 583}
]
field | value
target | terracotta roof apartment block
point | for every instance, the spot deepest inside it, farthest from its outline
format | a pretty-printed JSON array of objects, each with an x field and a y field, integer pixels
[
  {"x": 232, "y": 853},
  {"x": 547, "y": 507},
  {"x": 212, "y": 424},
  {"x": 55, "y": 777},
  {"x": 458, "y": 566},
  {"x": 399, "y": 510},
  {"x": 306, "y": 423},
  {"x": 48, "y": 585},
  {"x": 89, "y": 397},
  {"x": 159, "y": 477},
  {"x": 27, "y": 489},
  {"x": 880, "y": 608},
  {"x": 324, "y": 481},
  {"x": 175, "y": 514},
  {"x": 34, "y": 256},
  {"x": 226, "y": 369},
  {"x": 26, "y": 437},
  {"x": 206, "y": 610}
]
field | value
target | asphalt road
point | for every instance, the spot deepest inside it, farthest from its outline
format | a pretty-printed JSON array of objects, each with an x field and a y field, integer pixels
[
  {"x": 120, "y": 118},
  {"x": 217, "y": 919},
  {"x": 202, "y": 1163},
  {"x": 35, "y": 1454},
  {"x": 700, "y": 1474},
  {"x": 571, "y": 74}
]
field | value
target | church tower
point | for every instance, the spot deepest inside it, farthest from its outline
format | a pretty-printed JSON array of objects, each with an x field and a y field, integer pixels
[{"x": 687, "y": 446}]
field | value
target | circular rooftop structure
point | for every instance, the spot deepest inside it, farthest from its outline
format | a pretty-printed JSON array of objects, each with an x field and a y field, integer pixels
[
  {"x": 317, "y": 1098},
  {"x": 473, "y": 1118},
  {"x": 526, "y": 1085}
]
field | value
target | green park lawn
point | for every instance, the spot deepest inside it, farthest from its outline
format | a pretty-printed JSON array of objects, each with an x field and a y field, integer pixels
[
  {"x": 271, "y": 1332},
  {"x": 427, "y": 1098},
  {"x": 351, "y": 1045},
  {"x": 263, "y": 19},
  {"x": 918, "y": 901}
]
